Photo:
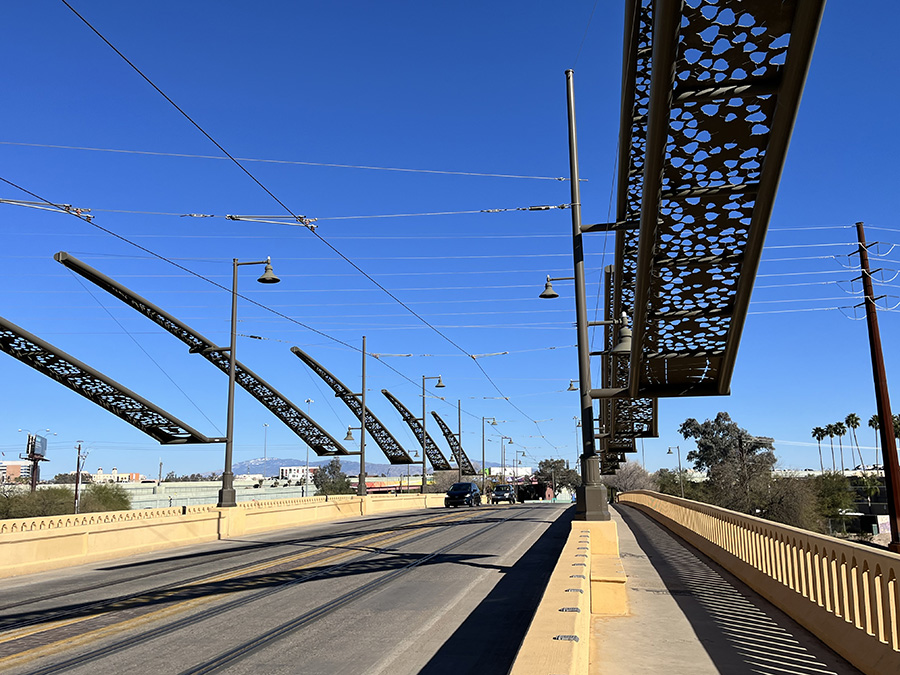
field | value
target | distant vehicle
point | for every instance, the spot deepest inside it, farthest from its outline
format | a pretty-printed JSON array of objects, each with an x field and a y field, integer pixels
[
  {"x": 461, "y": 494},
  {"x": 503, "y": 493}
]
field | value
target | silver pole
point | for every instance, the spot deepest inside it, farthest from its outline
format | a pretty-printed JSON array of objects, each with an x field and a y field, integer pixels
[
  {"x": 422, "y": 491},
  {"x": 361, "y": 481},
  {"x": 226, "y": 494}
]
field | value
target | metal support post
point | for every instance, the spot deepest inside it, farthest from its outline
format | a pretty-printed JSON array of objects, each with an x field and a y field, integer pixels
[{"x": 591, "y": 499}]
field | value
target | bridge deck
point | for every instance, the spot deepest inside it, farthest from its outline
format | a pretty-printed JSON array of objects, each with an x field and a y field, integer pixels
[{"x": 689, "y": 616}]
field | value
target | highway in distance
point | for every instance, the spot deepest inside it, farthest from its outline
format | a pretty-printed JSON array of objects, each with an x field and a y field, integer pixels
[{"x": 429, "y": 591}]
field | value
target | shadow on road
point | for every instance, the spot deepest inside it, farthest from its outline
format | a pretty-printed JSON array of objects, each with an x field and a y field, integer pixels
[{"x": 489, "y": 639}]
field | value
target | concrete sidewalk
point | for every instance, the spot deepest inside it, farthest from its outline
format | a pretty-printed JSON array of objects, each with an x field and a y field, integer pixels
[{"x": 688, "y": 616}]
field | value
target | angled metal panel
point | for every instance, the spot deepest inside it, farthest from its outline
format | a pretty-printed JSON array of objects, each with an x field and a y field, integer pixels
[
  {"x": 455, "y": 447},
  {"x": 432, "y": 451},
  {"x": 725, "y": 85},
  {"x": 388, "y": 444},
  {"x": 319, "y": 440},
  {"x": 96, "y": 387}
]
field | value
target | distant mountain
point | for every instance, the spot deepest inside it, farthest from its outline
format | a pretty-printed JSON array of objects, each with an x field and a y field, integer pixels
[{"x": 270, "y": 466}]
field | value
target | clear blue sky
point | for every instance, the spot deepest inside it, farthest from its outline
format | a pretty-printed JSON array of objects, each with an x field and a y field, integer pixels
[{"x": 460, "y": 87}]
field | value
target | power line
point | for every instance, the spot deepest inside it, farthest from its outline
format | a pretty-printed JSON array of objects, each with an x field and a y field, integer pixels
[{"x": 278, "y": 161}]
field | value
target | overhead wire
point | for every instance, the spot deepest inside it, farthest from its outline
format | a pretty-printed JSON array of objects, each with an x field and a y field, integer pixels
[
  {"x": 278, "y": 161},
  {"x": 298, "y": 218}
]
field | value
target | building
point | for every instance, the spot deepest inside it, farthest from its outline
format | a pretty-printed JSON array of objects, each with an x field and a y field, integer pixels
[
  {"x": 296, "y": 473},
  {"x": 115, "y": 476},
  {"x": 11, "y": 470}
]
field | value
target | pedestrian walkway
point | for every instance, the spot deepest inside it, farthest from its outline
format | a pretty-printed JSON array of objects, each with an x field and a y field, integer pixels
[{"x": 688, "y": 616}]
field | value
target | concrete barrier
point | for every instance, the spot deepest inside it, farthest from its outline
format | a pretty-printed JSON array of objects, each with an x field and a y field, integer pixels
[
  {"x": 558, "y": 639},
  {"x": 31, "y": 545},
  {"x": 847, "y": 594}
]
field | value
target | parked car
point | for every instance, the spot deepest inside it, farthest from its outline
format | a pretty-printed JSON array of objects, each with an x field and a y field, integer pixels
[
  {"x": 461, "y": 494},
  {"x": 503, "y": 493}
]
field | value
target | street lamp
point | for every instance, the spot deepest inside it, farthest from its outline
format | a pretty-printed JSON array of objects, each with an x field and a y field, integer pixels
[
  {"x": 361, "y": 481},
  {"x": 306, "y": 476},
  {"x": 503, "y": 456},
  {"x": 226, "y": 494},
  {"x": 438, "y": 385},
  {"x": 680, "y": 475},
  {"x": 493, "y": 424}
]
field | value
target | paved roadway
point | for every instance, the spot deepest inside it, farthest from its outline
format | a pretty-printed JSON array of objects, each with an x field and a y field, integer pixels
[{"x": 436, "y": 591}]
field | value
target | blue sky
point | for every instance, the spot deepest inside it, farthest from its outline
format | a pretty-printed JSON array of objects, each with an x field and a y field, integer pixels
[{"x": 464, "y": 88}]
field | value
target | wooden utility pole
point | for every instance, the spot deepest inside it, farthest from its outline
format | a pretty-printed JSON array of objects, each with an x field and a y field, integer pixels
[{"x": 886, "y": 420}]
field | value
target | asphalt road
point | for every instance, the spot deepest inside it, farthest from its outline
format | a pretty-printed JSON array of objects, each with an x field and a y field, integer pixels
[{"x": 432, "y": 591}]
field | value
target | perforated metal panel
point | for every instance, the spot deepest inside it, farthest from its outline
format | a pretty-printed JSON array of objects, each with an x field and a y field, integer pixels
[
  {"x": 388, "y": 444},
  {"x": 455, "y": 446},
  {"x": 96, "y": 387},
  {"x": 710, "y": 94},
  {"x": 432, "y": 451},
  {"x": 319, "y": 440}
]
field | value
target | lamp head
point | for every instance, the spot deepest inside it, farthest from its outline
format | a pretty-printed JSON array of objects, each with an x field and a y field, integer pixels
[
  {"x": 440, "y": 383},
  {"x": 572, "y": 386},
  {"x": 624, "y": 346},
  {"x": 669, "y": 451},
  {"x": 349, "y": 436},
  {"x": 268, "y": 276},
  {"x": 548, "y": 290}
]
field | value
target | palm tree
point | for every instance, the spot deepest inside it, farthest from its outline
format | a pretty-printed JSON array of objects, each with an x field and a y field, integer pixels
[
  {"x": 830, "y": 431},
  {"x": 819, "y": 434},
  {"x": 873, "y": 423},
  {"x": 852, "y": 421},
  {"x": 839, "y": 431}
]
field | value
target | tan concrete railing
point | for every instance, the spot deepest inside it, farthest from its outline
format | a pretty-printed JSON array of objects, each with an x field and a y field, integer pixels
[
  {"x": 847, "y": 594},
  {"x": 31, "y": 545}
]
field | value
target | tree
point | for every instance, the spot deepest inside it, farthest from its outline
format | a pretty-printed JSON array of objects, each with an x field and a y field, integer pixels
[
  {"x": 830, "y": 431},
  {"x": 631, "y": 476},
  {"x": 668, "y": 482},
  {"x": 840, "y": 430},
  {"x": 819, "y": 434},
  {"x": 874, "y": 424},
  {"x": 793, "y": 501},
  {"x": 834, "y": 494},
  {"x": 738, "y": 465},
  {"x": 852, "y": 422},
  {"x": 331, "y": 480},
  {"x": 104, "y": 497},
  {"x": 554, "y": 472}
]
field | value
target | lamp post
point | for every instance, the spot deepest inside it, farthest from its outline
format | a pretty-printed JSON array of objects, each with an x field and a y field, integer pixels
[
  {"x": 361, "y": 481},
  {"x": 503, "y": 456},
  {"x": 265, "y": 441},
  {"x": 493, "y": 423},
  {"x": 306, "y": 476},
  {"x": 438, "y": 385},
  {"x": 680, "y": 475},
  {"x": 226, "y": 494}
]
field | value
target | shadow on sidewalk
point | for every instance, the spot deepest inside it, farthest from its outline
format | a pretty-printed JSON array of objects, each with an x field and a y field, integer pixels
[{"x": 742, "y": 633}]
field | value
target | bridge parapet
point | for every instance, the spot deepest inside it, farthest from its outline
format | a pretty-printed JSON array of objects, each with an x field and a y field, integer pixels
[{"x": 846, "y": 594}]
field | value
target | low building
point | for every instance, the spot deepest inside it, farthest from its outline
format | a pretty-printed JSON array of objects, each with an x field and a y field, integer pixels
[
  {"x": 115, "y": 477},
  {"x": 11, "y": 470},
  {"x": 296, "y": 473}
]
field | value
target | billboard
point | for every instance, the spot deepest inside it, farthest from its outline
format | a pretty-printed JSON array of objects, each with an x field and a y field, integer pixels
[{"x": 39, "y": 446}]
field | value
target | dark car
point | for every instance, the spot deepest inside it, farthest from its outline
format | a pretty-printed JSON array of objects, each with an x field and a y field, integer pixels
[
  {"x": 461, "y": 494},
  {"x": 503, "y": 493}
]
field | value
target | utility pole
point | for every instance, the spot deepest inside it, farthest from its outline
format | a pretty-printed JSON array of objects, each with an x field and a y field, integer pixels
[
  {"x": 886, "y": 426},
  {"x": 159, "y": 480},
  {"x": 459, "y": 436},
  {"x": 79, "y": 458}
]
